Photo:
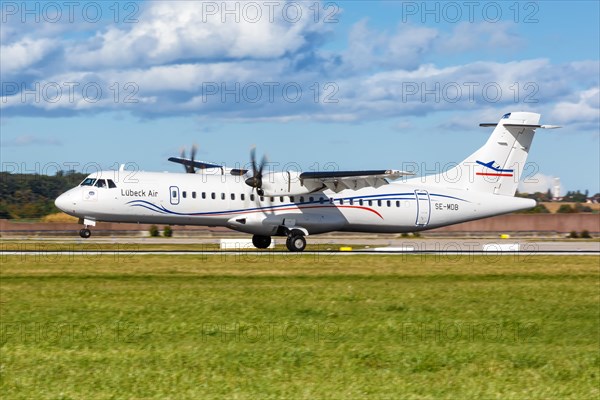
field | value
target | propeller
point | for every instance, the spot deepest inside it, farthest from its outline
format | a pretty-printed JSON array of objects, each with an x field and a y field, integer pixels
[
  {"x": 255, "y": 180},
  {"x": 189, "y": 168}
]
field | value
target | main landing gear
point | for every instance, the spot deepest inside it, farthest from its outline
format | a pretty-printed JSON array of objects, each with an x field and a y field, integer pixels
[
  {"x": 261, "y": 242},
  {"x": 85, "y": 233},
  {"x": 295, "y": 241}
]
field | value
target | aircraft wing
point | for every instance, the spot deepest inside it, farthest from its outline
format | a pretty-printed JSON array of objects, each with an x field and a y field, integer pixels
[
  {"x": 340, "y": 180},
  {"x": 204, "y": 165},
  {"x": 193, "y": 163}
]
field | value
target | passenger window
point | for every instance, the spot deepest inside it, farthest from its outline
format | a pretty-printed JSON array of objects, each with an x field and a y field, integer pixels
[
  {"x": 397, "y": 204},
  {"x": 262, "y": 198},
  {"x": 379, "y": 203},
  {"x": 351, "y": 202},
  {"x": 222, "y": 196},
  {"x": 213, "y": 195},
  {"x": 370, "y": 203},
  {"x": 341, "y": 202},
  {"x": 232, "y": 196},
  {"x": 321, "y": 200},
  {"x": 311, "y": 199},
  {"x": 193, "y": 195},
  {"x": 292, "y": 199},
  {"x": 272, "y": 199},
  {"x": 360, "y": 202},
  {"x": 301, "y": 199},
  {"x": 174, "y": 193},
  {"x": 330, "y": 201},
  {"x": 389, "y": 203},
  {"x": 251, "y": 196},
  {"x": 111, "y": 184},
  {"x": 204, "y": 195},
  {"x": 281, "y": 199},
  {"x": 184, "y": 194},
  {"x": 242, "y": 196}
]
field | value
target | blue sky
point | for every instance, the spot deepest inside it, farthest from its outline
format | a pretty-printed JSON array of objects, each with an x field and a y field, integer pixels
[{"x": 353, "y": 84}]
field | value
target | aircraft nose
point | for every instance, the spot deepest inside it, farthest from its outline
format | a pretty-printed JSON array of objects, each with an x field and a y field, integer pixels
[{"x": 64, "y": 202}]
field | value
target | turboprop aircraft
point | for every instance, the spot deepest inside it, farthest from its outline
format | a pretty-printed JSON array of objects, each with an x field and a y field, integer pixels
[{"x": 296, "y": 204}]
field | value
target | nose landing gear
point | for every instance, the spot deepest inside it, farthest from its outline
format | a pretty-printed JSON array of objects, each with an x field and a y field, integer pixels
[{"x": 85, "y": 233}]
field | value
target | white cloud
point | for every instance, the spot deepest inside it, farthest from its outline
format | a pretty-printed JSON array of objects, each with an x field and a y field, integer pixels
[
  {"x": 536, "y": 183},
  {"x": 369, "y": 49},
  {"x": 173, "y": 31},
  {"x": 174, "y": 51},
  {"x": 479, "y": 36},
  {"x": 584, "y": 109},
  {"x": 24, "y": 53}
]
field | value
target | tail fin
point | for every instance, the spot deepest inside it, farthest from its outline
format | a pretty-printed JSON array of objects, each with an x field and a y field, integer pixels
[{"x": 497, "y": 166}]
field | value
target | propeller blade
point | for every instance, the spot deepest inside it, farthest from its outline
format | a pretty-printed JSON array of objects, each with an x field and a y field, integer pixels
[
  {"x": 255, "y": 180},
  {"x": 187, "y": 168},
  {"x": 190, "y": 168},
  {"x": 194, "y": 149}
]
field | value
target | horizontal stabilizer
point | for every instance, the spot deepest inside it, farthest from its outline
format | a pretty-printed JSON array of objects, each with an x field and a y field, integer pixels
[{"x": 486, "y": 124}]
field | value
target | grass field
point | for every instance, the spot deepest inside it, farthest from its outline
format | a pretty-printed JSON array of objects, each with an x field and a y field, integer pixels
[{"x": 299, "y": 326}]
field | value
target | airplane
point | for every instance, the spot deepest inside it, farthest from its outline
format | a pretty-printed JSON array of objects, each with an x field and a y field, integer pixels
[{"x": 296, "y": 204}]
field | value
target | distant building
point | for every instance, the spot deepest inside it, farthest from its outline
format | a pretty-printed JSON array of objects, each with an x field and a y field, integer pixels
[{"x": 556, "y": 190}]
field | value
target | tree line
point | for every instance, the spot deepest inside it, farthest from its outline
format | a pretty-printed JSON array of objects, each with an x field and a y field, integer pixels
[{"x": 28, "y": 196}]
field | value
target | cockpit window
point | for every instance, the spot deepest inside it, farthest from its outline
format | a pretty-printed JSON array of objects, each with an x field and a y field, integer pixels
[
  {"x": 88, "y": 182},
  {"x": 506, "y": 116},
  {"x": 101, "y": 183},
  {"x": 111, "y": 184}
]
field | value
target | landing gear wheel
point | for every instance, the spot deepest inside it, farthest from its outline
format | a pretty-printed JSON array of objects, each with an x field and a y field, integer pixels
[
  {"x": 261, "y": 242},
  {"x": 85, "y": 233},
  {"x": 296, "y": 242}
]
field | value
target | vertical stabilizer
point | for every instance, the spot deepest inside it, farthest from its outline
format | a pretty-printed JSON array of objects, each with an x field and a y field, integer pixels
[{"x": 497, "y": 166}]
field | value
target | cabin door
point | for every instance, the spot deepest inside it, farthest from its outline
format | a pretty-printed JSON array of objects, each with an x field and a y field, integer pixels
[{"x": 423, "y": 207}]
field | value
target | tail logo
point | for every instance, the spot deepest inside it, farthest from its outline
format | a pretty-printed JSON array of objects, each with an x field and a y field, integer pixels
[{"x": 496, "y": 170}]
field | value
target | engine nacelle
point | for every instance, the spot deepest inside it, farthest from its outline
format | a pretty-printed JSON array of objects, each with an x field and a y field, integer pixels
[{"x": 286, "y": 183}]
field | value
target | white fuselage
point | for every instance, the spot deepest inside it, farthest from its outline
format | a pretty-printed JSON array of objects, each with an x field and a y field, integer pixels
[{"x": 225, "y": 200}]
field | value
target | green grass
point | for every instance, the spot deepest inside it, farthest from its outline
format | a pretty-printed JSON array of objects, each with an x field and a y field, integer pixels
[{"x": 299, "y": 326}]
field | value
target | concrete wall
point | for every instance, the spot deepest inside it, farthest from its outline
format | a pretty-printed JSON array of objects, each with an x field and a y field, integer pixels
[
  {"x": 524, "y": 223},
  {"x": 542, "y": 223}
]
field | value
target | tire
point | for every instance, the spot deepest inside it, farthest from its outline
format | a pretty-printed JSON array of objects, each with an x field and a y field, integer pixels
[
  {"x": 261, "y": 242},
  {"x": 85, "y": 233},
  {"x": 296, "y": 243}
]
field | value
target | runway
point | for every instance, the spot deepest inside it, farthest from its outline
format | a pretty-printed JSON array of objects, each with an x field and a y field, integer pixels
[
  {"x": 283, "y": 253},
  {"x": 319, "y": 246}
]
